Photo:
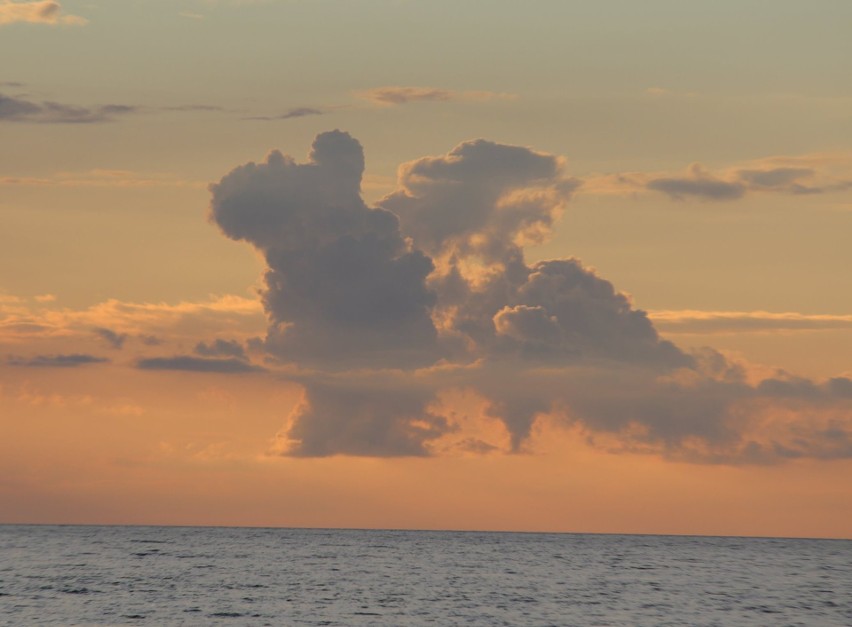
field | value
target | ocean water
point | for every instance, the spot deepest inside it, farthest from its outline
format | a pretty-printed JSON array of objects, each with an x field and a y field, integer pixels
[{"x": 68, "y": 575}]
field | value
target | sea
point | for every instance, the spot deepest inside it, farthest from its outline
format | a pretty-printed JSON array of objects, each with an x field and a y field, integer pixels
[{"x": 91, "y": 575}]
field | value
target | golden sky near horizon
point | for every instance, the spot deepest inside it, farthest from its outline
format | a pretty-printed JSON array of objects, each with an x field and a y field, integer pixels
[{"x": 566, "y": 266}]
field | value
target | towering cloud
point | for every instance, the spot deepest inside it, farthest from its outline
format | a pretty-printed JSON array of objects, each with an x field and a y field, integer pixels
[
  {"x": 382, "y": 310},
  {"x": 343, "y": 287}
]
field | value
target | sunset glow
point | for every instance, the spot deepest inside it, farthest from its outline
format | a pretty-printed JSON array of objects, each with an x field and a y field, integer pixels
[{"x": 427, "y": 265}]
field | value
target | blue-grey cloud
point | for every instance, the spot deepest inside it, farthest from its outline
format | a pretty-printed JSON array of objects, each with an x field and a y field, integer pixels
[
  {"x": 700, "y": 184},
  {"x": 705, "y": 188},
  {"x": 189, "y": 363},
  {"x": 114, "y": 339},
  {"x": 221, "y": 348},
  {"x": 55, "y": 361},
  {"x": 343, "y": 286},
  {"x": 15, "y": 109},
  {"x": 337, "y": 418}
]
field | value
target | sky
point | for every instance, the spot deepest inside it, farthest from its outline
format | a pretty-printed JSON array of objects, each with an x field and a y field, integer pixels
[{"x": 549, "y": 266}]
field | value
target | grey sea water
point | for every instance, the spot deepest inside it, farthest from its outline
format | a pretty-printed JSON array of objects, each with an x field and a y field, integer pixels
[{"x": 68, "y": 575}]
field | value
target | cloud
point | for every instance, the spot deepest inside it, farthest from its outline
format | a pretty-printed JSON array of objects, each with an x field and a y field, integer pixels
[
  {"x": 188, "y": 363},
  {"x": 194, "y": 108},
  {"x": 481, "y": 198},
  {"x": 698, "y": 183},
  {"x": 392, "y": 96},
  {"x": 353, "y": 419},
  {"x": 342, "y": 286},
  {"x": 152, "y": 323},
  {"x": 55, "y": 361},
  {"x": 116, "y": 340},
  {"x": 381, "y": 312},
  {"x": 102, "y": 178},
  {"x": 691, "y": 321},
  {"x": 13, "y": 109},
  {"x": 221, "y": 348},
  {"x": 37, "y": 12},
  {"x": 297, "y": 112},
  {"x": 806, "y": 174}
]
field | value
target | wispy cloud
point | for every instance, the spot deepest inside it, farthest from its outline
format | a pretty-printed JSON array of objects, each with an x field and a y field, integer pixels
[
  {"x": 297, "y": 112},
  {"x": 393, "y": 95},
  {"x": 15, "y": 109},
  {"x": 697, "y": 183},
  {"x": 151, "y": 323},
  {"x": 707, "y": 322},
  {"x": 797, "y": 175},
  {"x": 194, "y": 108},
  {"x": 101, "y": 178},
  {"x": 37, "y": 12},
  {"x": 55, "y": 361},
  {"x": 189, "y": 363}
]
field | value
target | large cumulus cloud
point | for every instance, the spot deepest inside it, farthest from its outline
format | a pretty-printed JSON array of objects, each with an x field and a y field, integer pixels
[
  {"x": 343, "y": 287},
  {"x": 379, "y": 311}
]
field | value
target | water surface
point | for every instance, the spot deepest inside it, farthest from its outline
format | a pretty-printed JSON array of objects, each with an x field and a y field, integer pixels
[{"x": 238, "y": 576}]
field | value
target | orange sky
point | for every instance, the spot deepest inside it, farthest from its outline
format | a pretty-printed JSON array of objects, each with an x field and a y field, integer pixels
[{"x": 578, "y": 269}]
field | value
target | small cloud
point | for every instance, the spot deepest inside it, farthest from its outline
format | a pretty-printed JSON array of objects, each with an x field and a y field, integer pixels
[
  {"x": 45, "y": 298},
  {"x": 14, "y": 109},
  {"x": 188, "y": 363},
  {"x": 298, "y": 112},
  {"x": 37, "y": 12},
  {"x": 194, "y": 107},
  {"x": 190, "y": 15},
  {"x": 392, "y": 96},
  {"x": 799, "y": 175},
  {"x": 728, "y": 322},
  {"x": 116, "y": 340},
  {"x": 658, "y": 91},
  {"x": 221, "y": 348},
  {"x": 774, "y": 178},
  {"x": 697, "y": 183},
  {"x": 55, "y": 361}
]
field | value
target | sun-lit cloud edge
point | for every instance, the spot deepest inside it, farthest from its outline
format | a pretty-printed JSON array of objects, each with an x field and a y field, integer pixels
[
  {"x": 24, "y": 322},
  {"x": 37, "y": 12}
]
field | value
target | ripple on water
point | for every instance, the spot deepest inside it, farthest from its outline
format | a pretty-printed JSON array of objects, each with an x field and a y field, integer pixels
[{"x": 157, "y": 576}]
